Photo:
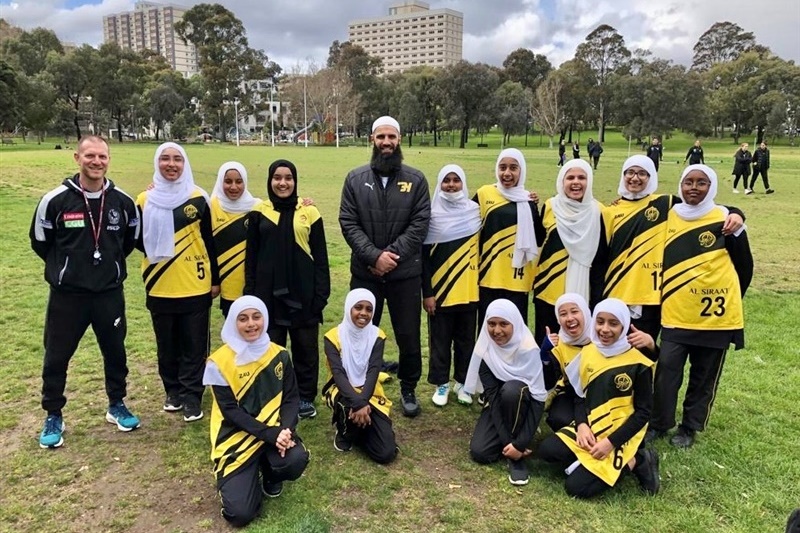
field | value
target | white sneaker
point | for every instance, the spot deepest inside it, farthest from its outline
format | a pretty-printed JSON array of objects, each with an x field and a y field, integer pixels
[
  {"x": 441, "y": 395},
  {"x": 735, "y": 191},
  {"x": 748, "y": 191},
  {"x": 464, "y": 397}
]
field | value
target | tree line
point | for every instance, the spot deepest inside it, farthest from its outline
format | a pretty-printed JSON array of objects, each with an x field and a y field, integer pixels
[{"x": 734, "y": 87}]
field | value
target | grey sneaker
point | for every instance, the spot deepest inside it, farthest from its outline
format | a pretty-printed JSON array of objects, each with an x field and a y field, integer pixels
[
  {"x": 410, "y": 405},
  {"x": 192, "y": 413},
  {"x": 307, "y": 409},
  {"x": 172, "y": 404},
  {"x": 518, "y": 472}
]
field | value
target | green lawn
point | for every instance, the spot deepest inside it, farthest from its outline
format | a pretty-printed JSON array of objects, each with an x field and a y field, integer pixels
[{"x": 741, "y": 476}]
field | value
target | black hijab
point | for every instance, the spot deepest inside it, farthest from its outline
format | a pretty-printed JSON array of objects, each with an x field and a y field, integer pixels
[{"x": 284, "y": 286}]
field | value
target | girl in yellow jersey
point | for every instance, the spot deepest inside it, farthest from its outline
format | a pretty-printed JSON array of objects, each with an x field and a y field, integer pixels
[
  {"x": 180, "y": 276},
  {"x": 612, "y": 386},
  {"x": 450, "y": 282},
  {"x": 507, "y": 369},
  {"x": 507, "y": 243},
  {"x": 354, "y": 352},
  {"x": 573, "y": 224},
  {"x": 230, "y": 203},
  {"x": 253, "y": 414},
  {"x": 705, "y": 277}
]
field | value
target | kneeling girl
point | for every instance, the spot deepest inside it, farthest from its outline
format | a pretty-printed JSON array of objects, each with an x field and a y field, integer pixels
[{"x": 254, "y": 413}]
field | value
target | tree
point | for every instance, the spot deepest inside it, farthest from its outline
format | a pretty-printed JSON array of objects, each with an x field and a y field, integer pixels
[
  {"x": 511, "y": 109},
  {"x": 547, "y": 107},
  {"x": 423, "y": 97},
  {"x": 29, "y": 51},
  {"x": 363, "y": 71},
  {"x": 468, "y": 86},
  {"x": 40, "y": 107},
  {"x": 577, "y": 83},
  {"x": 225, "y": 58},
  {"x": 10, "y": 108},
  {"x": 527, "y": 68},
  {"x": 122, "y": 76},
  {"x": 71, "y": 74},
  {"x": 722, "y": 42},
  {"x": 605, "y": 52}
]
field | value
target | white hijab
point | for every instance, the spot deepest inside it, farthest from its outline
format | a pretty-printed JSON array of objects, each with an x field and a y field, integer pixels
[
  {"x": 525, "y": 247},
  {"x": 245, "y": 202},
  {"x": 159, "y": 226},
  {"x": 652, "y": 184},
  {"x": 453, "y": 215},
  {"x": 518, "y": 359},
  {"x": 693, "y": 212},
  {"x": 620, "y": 310},
  {"x": 578, "y": 226},
  {"x": 584, "y": 337},
  {"x": 357, "y": 343}
]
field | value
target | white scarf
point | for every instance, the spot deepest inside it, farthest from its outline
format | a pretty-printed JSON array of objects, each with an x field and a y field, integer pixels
[
  {"x": 518, "y": 359},
  {"x": 357, "y": 343},
  {"x": 693, "y": 212},
  {"x": 525, "y": 247},
  {"x": 652, "y": 184},
  {"x": 159, "y": 226},
  {"x": 578, "y": 226},
  {"x": 620, "y": 310},
  {"x": 453, "y": 215},
  {"x": 245, "y": 202},
  {"x": 584, "y": 337}
]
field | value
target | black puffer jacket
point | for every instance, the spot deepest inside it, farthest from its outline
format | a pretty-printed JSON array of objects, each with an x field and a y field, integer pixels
[
  {"x": 761, "y": 158},
  {"x": 741, "y": 163},
  {"x": 375, "y": 218}
]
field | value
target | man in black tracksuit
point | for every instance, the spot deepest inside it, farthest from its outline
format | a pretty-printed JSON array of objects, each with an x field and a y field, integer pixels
[
  {"x": 761, "y": 166},
  {"x": 695, "y": 154},
  {"x": 83, "y": 230},
  {"x": 384, "y": 217},
  {"x": 655, "y": 152}
]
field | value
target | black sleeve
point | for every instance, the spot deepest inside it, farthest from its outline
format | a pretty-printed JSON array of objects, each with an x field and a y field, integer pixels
[
  {"x": 239, "y": 417},
  {"x": 352, "y": 231},
  {"x": 408, "y": 243},
  {"x": 131, "y": 231},
  {"x": 42, "y": 247},
  {"x": 427, "y": 272},
  {"x": 642, "y": 406},
  {"x": 251, "y": 252},
  {"x": 739, "y": 250},
  {"x": 491, "y": 385},
  {"x": 731, "y": 209},
  {"x": 211, "y": 249},
  {"x": 538, "y": 225},
  {"x": 290, "y": 401},
  {"x": 353, "y": 399},
  {"x": 373, "y": 369},
  {"x": 688, "y": 154},
  {"x": 322, "y": 275},
  {"x": 597, "y": 273},
  {"x": 140, "y": 238}
]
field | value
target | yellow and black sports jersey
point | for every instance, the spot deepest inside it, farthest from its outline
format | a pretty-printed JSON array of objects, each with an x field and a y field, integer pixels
[
  {"x": 454, "y": 271},
  {"x": 608, "y": 384},
  {"x": 304, "y": 218},
  {"x": 188, "y": 273},
  {"x": 700, "y": 288},
  {"x": 258, "y": 388},
  {"x": 378, "y": 400},
  {"x": 551, "y": 266},
  {"x": 563, "y": 354},
  {"x": 636, "y": 231},
  {"x": 496, "y": 244},
  {"x": 230, "y": 239}
]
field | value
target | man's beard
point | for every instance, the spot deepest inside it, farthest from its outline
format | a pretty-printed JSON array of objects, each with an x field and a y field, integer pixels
[{"x": 386, "y": 164}]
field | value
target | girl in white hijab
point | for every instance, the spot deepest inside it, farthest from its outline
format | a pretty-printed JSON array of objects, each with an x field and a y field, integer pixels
[
  {"x": 254, "y": 413},
  {"x": 572, "y": 220},
  {"x": 450, "y": 283},
  {"x": 230, "y": 202},
  {"x": 354, "y": 352},
  {"x": 506, "y": 367}
]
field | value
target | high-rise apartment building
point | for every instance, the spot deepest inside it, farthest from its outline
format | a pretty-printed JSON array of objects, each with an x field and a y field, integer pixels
[
  {"x": 150, "y": 26},
  {"x": 413, "y": 34}
]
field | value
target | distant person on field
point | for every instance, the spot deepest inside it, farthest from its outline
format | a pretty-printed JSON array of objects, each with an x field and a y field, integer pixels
[
  {"x": 695, "y": 154},
  {"x": 741, "y": 167},
  {"x": 384, "y": 215},
  {"x": 655, "y": 152},
  {"x": 761, "y": 166},
  {"x": 576, "y": 150},
  {"x": 595, "y": 150},
  {"x": 562, "y": 149},
  {"x": 84, "y": 229}
]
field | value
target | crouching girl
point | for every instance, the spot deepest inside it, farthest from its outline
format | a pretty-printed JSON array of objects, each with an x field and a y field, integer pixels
[
  {"x": 254, "y": 413},
  {"x": 354, "y": 352}
]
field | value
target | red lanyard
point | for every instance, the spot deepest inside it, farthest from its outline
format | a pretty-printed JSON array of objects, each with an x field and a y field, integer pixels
[{"x": 96, "y": 229}]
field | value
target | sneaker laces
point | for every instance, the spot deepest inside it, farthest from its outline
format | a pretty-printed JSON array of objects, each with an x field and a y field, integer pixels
[
  {"x": 119, "y": 410},
  {"x": 442, "y": 390},
  {"x": 52, "y": 425}
]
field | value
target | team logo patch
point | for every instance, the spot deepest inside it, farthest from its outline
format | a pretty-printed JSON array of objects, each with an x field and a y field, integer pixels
[
  {"x": 651, "y": 214},
  {"x": 623, "y": 382},
  {"x": 707, "y": 239},
  {"x": 74, "y": 220},
  {"x": 405, "y": 186},
  {"x": 303, "y": 219},
  {"x": 190, "y": 211},
  {"x": 246, "y": 222},
  {"x": 113, "y": 216},
  {"x": 279, "y": 371}
]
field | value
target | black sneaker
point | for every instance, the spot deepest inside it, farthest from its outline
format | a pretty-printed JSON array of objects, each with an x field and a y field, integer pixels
[
  {"x": 646, "y": 471},
  {"x": 272, "y": 490},
  {"x": 684, "y": 438},
  {"x": 341, "y": 443},
  {"x": 517, "y": 472},
  {"x": 653, "y": 435},
  {"x": 307, "y": 409},
  {"x": 172, "y": 404},
  {"x": 410, "y": 405},
  {"x": 770, "y": 191},
  {"x": 192, "y": 412},
  {"x": 793, "y": 523}
]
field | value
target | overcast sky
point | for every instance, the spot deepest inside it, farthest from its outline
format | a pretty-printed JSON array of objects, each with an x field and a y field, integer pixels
[{"x": 292, "y": 32}]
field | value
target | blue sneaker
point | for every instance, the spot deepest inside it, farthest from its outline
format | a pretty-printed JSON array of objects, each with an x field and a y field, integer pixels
[
  {"x": 307, "y": 410},
  {"x": 125, "y": 420},
  {"x": 51, "y": 436}
]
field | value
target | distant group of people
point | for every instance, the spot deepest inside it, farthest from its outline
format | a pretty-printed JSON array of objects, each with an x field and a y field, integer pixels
[
  {"x": 744, "y": 162},
  {"x": 470, "y": 263},
  {"x": 595, "y": 149}
]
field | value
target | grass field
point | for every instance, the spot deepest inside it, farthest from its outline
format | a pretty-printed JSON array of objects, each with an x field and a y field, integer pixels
[{"x": 741, "y": 476}]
